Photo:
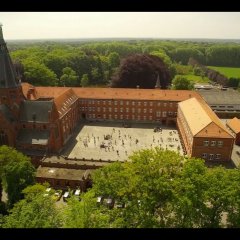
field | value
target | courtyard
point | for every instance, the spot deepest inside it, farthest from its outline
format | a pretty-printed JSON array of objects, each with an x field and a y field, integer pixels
[{"x": 112, "y": 141}]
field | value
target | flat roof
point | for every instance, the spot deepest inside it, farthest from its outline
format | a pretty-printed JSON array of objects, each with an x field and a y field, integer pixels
[
  {"x": 220, "y": 97},
  {"x": 60, "y": 173}
]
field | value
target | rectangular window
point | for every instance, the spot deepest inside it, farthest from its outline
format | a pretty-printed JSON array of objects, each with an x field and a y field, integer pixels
[
  {"x": 220, "y": 143},
  {"x": 98, "y": 109},
  {"x": 133, "y": 103},
  {"x": 144, "y": 110},
  {"x": 127, "y": 110},
  {"x": 159, "y": 104},
  {"x": 133, "y": 110},
  {"x": 170, "y": 104},
  {"x": 121, "y": 102},
  {"x": 150, "y": 110},
  {"x": 139, "y": 110},
  {"x": 104, "y": 116},
  {"x": 164, "y": 114},
  {"x": 170, "y": 113},
  {"x": 158, "y": 114},
  {"x": 93, "y": 115},
  {"x": 127, "y": 116},
  {"x": 150, "y": 117},
  {"x": 164, "y": 104},
  {"x": 110, "y": 109},
  {"x": 139, "y": 103},
  {"x": 127, "y": 102},
  {"x": 93, "y": 102},
  {"x": 115, "y": 102},
  {"x": 115, "y": 109},
  {"x": 211, "y": 156},
  {"x": 144, "y": 118},
  {"x": 139, "y": 117},
  {"x": 213, "y": 143},
  {"x": 121, "y": 116},
  {"x": 98, "y": 102},
  {"x": 151, "y": 104},
  {"x": 104, "y": 109},
  {"x": 218, "y": 156},
  {"x": 205, "y": 143},
  {"x": 104, "y": 102},
  {"x": 115, "y": 116},
  {"x": 89, "y": 109},
  {"x": 204, "y": 155},
  {"x": 145, "y": 104},
  {"x": 121, "y": 109},
  {"x": 109, "y": 103}
]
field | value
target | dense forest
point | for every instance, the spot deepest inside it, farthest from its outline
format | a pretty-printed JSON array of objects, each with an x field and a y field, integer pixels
[{"x": 96, "y": 63}]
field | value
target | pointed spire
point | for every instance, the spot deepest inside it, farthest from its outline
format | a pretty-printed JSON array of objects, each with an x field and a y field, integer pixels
[
  {"x": 1, "y": 34},
  {"x": 158, "y": 86},
  {"x": 8, "y": 78}
]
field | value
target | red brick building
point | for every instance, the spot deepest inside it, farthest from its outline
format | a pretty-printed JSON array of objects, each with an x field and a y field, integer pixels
[
  {"x": 40, "y": 120},
  {"x": 234, "y": 127}
]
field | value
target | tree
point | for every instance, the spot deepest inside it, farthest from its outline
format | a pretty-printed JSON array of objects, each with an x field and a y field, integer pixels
[
  {"x": 38, "y": 74},
  {"x": 233, "y": 82},
  {"x": 114, "y": 59},
  {"x": 17, "y": 173},
  {"x": 182, "y": 83},
  {"x": 84, "y": 80},
  {"x": 141, "y": 70},
  {"x": 36, "y": 210},
  {"x": 69, "y": 78}
]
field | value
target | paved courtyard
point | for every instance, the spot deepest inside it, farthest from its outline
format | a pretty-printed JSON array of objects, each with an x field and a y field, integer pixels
[{"x": 111, "y": 141}]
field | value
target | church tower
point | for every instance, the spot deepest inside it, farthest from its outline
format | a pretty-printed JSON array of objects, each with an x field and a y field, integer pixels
[
  {"x": 10, "y": 87},
  {"x": 158, "y": 86}
]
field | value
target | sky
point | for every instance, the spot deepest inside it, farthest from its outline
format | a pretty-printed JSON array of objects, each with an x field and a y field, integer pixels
[{"x": 54, "y": 25}]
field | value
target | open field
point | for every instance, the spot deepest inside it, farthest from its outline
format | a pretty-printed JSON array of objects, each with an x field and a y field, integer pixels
[
  {"x": 196, "y": 79},
  {"x": 227, "y": 71}
]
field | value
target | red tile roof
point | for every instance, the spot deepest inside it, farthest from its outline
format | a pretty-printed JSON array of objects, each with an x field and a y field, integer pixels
[{"x": 234, "y": 124}]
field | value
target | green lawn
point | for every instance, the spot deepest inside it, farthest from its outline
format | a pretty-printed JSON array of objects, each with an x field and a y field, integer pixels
[
  {"x": 227, "y": 71},
  {"x": 196, "y": 79}
]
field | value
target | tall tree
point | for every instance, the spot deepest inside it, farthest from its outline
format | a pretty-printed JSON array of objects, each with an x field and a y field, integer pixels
[
  {"x": 69, "y": 78},
  {"x": 17, "y": 173},
  {"x": 181, "y": 83}
]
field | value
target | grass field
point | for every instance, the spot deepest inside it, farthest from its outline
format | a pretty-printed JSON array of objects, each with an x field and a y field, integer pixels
[
  {"x": 196, "y": 79},
  {"x": 227, "y": 71}
]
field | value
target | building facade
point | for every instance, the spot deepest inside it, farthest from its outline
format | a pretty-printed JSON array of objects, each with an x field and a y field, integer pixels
[
  {"x": 40, "y": 120},
  {"x": 234, "y": 126}
]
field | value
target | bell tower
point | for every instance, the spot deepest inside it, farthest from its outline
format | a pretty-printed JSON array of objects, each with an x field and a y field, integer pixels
[{"x": 10, "y": 87}]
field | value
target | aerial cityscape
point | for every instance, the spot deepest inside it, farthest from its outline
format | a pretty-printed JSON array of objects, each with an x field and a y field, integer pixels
[{"x": 121, "y": 129}]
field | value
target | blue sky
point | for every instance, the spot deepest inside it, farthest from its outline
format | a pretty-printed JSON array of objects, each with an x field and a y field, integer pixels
[{"x": 47, "y": 25}]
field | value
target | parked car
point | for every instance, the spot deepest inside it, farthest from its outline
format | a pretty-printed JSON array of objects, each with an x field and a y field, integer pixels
[
  {"x": 109, "y": 202},
  {"x": 66, "y": 195},
  {"x": 57, "y": 195},
  {"x": 119, "y": 204},
  {"x": 77, "y": 194},
  {"x": 99, "y": 199}
]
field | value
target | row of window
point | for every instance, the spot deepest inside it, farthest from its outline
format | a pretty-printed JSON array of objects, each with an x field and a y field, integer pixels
[
  {"x": 133, "y": 110},
  {"x": 211, "y": 156},
  {"x": 207, "y": 143},
  {"x": 110, "y": 116},
  {"x": 133, "y": 103}
]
